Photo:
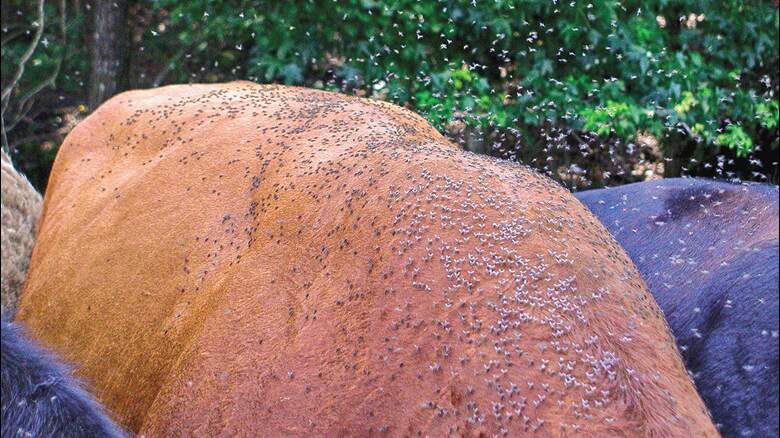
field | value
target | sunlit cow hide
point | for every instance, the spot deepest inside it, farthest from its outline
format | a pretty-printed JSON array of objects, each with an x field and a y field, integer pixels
[{"x": 270, "y": 261}]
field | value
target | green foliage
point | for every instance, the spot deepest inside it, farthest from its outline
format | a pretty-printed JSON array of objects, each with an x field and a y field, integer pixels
[
  {"x": 52, "y": 80},
  {"x": 607, "y": 67},
  {"x": 768, "y": 114},
  {"x": 700, "y": 76},
  {"x": 619, "y": 118},
  {"x": 736, "y": 138},
  {"x": 53, "y": 50}
]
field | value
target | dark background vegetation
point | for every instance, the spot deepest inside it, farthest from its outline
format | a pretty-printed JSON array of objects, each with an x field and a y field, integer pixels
[{"x": 591, "y": 92}]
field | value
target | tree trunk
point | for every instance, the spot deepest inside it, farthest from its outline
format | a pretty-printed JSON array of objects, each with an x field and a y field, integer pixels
[
  {"x": 676, "y": 154},
  {"x": 109, "y": 51}
]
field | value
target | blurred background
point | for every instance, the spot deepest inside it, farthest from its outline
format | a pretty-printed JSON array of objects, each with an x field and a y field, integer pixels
[{"x": 592, "y": 93}]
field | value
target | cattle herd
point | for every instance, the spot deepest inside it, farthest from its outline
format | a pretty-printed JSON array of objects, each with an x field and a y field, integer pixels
[{"x": 247, "y": 260}]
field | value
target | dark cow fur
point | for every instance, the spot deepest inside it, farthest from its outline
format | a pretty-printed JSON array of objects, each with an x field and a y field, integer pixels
[
  {"x": 708, "y": 251},
  {"x": 40, "y": 398}
]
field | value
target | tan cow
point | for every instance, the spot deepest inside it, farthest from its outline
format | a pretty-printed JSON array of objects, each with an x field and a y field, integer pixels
[
  {"x": 256, "y": 260},
  {"x": 21, "y": 207}
]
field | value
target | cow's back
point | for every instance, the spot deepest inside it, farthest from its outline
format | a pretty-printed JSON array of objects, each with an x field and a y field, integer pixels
[
  {"x": 242, "y": 259},
  {"x": 708, "y": 251},
  {"x": 21, "y": 207}
]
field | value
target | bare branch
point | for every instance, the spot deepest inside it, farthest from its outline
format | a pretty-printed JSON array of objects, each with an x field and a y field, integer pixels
[
  {"x": 63, "y": 14},
  {"x": 27, "y": 100},
  {"x": 50, "y": 81},
  {"x": 172, "y": 63},
  {"x": 4, "y": 137},
  {"x": 23, "y": 109},
  {"x": 12, "y": 36},
  {"x": 54, "y": 135},
  {"x": 6, "y": 96}
]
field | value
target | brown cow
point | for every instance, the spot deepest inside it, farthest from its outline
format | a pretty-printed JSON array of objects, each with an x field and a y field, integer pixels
[{"x": 271, "y": 261}]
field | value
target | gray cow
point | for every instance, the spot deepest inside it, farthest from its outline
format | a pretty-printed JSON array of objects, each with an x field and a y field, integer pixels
[{"x": 708, "y": 252}]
